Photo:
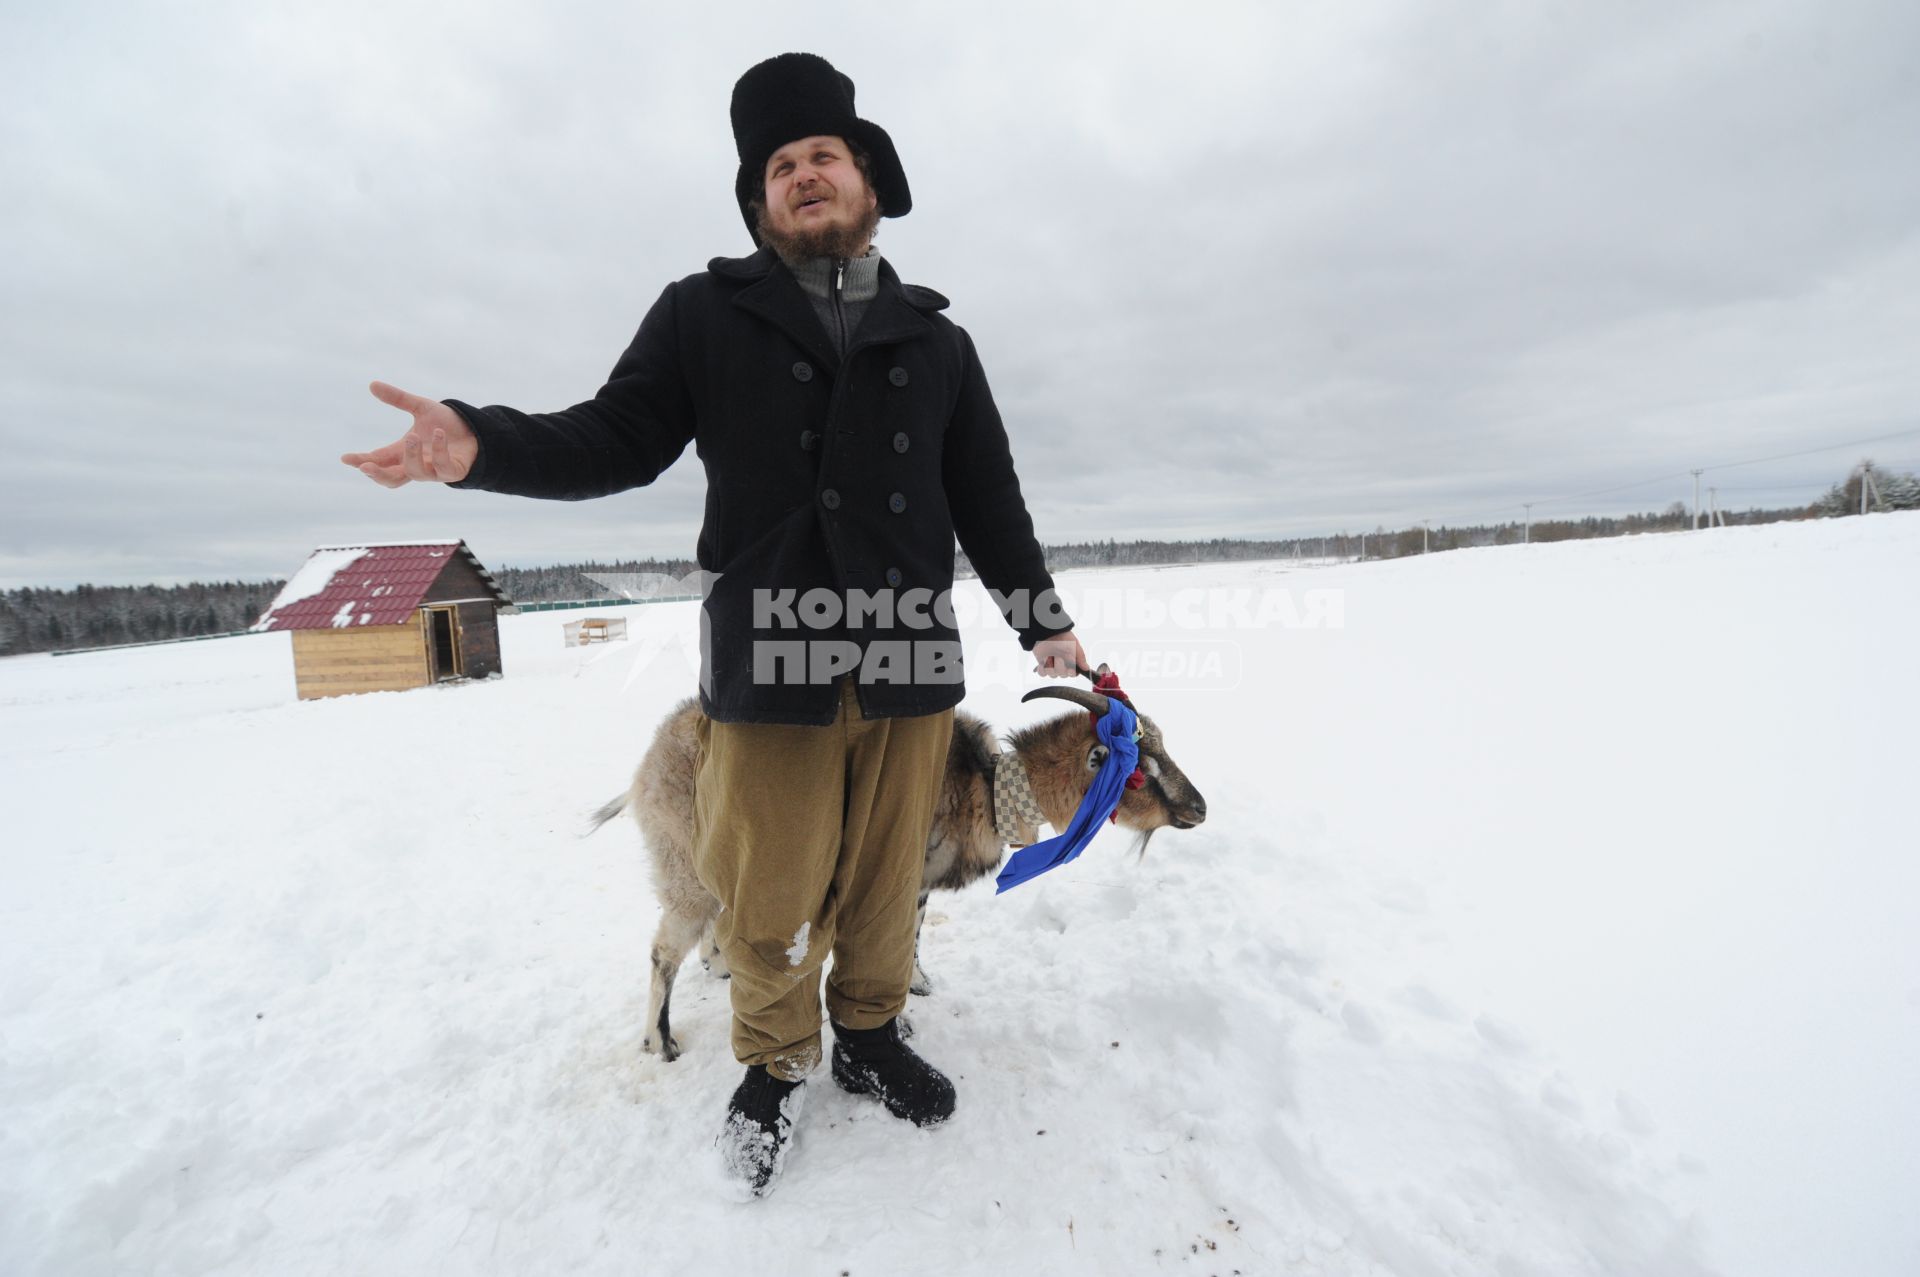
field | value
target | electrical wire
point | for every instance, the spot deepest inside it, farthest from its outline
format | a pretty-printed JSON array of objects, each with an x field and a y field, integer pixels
[
  {"x": 1509, "y": 508},
  {"x": 1832, "y": 447}
]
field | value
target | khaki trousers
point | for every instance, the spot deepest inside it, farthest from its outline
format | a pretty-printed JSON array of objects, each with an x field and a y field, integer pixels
[{"x": 813, "y": 839}]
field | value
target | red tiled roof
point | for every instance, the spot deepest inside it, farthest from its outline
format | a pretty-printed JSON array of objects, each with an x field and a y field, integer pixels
[{"x": 343, "y": 587}]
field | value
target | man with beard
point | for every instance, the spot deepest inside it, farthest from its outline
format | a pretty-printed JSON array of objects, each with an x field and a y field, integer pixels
[{"x": 848, "y": 437}]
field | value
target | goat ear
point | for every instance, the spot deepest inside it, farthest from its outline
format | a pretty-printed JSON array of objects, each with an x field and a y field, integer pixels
[{"x": 1096, "y": 756}]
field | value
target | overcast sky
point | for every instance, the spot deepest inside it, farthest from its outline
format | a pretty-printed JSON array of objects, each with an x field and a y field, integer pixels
[{"x": 1253, "y": 270}]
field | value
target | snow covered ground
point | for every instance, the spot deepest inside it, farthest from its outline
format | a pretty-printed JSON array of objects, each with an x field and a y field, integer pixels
[{"x": 1556, "y": 913}]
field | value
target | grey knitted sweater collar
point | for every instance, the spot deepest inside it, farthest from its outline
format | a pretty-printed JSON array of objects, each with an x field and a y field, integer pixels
[
  {"x": 859, "y": 281},
  {"x": 862, "y": 282}
]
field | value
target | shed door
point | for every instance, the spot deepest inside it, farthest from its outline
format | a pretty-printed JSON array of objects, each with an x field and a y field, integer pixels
[{"x": 444, "y": 637}]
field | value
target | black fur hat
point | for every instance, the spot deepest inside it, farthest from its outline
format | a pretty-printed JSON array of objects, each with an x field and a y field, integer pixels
[{"x": 800, "y": 95}]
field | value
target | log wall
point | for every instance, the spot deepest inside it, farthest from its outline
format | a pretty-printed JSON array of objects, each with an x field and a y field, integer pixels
[
  {"x": 479, "y": 639},
  {"x": 366, "y": 658},
  {"x": 458, "y": 580}
]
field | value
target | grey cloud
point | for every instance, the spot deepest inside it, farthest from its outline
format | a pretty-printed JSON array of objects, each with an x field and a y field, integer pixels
[{"x": 1255, "y": 272}]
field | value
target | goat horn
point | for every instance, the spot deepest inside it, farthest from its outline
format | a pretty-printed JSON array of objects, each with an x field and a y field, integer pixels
[
  {"x": 1078, "y": 695},
  {"x": 1094, "y": 677}
]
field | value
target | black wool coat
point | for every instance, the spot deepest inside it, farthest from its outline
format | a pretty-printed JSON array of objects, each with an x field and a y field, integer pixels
[{"x": 823, "y": 474}]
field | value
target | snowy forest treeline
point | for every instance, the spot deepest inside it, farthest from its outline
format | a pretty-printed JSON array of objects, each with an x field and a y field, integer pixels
[
  {"x": 41, "y": 620},
  {"x": 36, "y": 620}
]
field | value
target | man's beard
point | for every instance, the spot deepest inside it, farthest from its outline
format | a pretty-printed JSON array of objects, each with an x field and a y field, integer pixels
[{"x": 832, "y": 240}]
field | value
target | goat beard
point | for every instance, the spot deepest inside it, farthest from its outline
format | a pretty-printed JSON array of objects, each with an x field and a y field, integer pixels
[
  {"x": 1146, "y": 836},
  {"x": 821, "y": 241}
]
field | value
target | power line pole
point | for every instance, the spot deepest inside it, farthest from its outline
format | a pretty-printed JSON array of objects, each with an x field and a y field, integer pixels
[
  {"x": 1423, "y": 536},
  {"x": 1696, "y": 500},
  {"x": 1527, "y": 538},
  {"x": 1866, "y": 483}
]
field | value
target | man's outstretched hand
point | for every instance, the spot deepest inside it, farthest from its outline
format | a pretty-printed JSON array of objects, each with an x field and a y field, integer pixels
[
  {"x": 439, "y": 447},
  {"x": 1060, "y": 656}
]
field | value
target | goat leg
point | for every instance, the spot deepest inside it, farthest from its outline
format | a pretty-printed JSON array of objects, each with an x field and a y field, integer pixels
[
  {"x": 711, "y": 958},
  {"x": 674, "y": 939},
  {"x": 922, "y": 983}
]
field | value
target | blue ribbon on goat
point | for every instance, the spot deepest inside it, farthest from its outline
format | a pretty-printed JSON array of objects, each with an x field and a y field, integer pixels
[{"x": 1117, "y": 729}]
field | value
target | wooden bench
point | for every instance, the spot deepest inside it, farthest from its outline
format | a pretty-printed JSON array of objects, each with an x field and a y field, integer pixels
[{"x": 594, "y": 629}]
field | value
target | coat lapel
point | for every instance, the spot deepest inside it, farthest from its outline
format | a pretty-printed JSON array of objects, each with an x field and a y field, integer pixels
[
  {"x": 775, "y": 296},
  {"x": 890, "y": 318}
]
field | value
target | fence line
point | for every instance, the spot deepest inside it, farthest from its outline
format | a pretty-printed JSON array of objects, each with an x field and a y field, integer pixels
[
  {"x": 119, "y": 647},
  {"x": 1446, "y": 518},
  {"x": 562, "y": 605}
]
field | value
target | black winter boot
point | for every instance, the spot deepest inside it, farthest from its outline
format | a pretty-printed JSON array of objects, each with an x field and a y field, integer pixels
[
  {"x": 875, "y": 1062},
  {"x": 759, "y": 1127}
]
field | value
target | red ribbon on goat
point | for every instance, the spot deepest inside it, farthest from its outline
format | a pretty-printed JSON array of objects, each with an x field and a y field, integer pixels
[{"x": 1108, "y": 684}]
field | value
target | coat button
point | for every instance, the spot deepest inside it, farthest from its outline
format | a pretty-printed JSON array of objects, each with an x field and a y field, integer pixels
[
  {"x": 893, "y": 576},
  {"x": 830, "y": 499},
  {"x": 803, "y": 371},
  {"x": 808, "y": 439},
  {"x": 900, "y": 442},
  {"x": 897, "y": 503},
  {"x": 898, "y": 376}
]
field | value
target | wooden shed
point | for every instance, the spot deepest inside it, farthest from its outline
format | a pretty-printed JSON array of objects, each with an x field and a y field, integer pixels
[{"x": 387, "y": 616}]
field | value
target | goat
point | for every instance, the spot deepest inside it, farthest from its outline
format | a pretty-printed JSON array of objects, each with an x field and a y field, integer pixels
[{"x": 1057, "y": 759}]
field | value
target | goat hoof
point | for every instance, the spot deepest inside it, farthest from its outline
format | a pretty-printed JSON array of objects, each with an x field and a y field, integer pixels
[{"x": 669, "y": 1053}]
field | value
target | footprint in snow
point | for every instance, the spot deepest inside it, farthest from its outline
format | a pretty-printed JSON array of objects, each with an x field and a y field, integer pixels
[
  {"x": 1361, "y": 1024},
  {"x": 1429, "y": 1003},
  {"x": 1503, "y": 1037}
]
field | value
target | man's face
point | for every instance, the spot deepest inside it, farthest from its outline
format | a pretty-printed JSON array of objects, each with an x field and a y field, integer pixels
[{"x": 817, "y": 203}]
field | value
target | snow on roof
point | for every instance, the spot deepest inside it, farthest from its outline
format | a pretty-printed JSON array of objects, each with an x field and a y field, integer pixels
[
  {"x": 374, "y": 545},
  {"x": 314, "y": 576},
  {"x": 380, "y": 583}
]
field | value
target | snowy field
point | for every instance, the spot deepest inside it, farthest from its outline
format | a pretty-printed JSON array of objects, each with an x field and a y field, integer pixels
[{"x": 1557, "y": 913}]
